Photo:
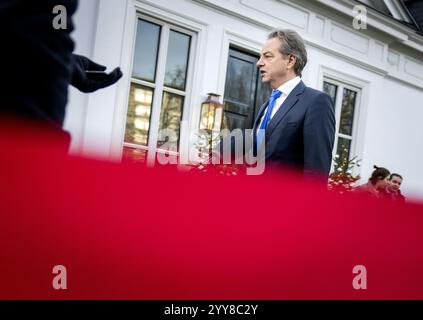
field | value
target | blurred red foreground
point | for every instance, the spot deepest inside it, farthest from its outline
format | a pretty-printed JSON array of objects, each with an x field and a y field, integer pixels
[{"x": 127, "y": 232}]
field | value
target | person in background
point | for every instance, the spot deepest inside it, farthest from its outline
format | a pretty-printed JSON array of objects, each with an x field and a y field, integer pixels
[
  {"x": 377, "y": 184},
  {"x": 38, "y": 65},
  {"x": 393, "y": 191}
]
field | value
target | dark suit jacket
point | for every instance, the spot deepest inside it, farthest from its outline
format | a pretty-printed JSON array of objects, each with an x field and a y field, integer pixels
[
  {"x": 36, "y": 60},
  {"x": 301, "y": 133}
]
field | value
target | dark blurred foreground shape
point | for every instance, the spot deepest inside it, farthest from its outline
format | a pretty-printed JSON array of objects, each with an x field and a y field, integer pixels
[
  {"x": 37, "y": 64},
  {"x": 36, "y": 60}
]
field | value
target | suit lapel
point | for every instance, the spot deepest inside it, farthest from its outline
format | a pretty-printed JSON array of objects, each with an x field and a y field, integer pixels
[{"x": 287, "y": 105}]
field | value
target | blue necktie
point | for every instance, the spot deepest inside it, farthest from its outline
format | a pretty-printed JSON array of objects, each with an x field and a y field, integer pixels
[{"x": 272, "y": 100}]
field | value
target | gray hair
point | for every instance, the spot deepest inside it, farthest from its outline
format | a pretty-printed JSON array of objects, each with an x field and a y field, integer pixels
[{"x": 292, "y": 44}]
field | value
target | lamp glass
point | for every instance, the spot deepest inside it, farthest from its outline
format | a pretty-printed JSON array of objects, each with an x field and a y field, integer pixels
[{"x": 211, "y": 113}]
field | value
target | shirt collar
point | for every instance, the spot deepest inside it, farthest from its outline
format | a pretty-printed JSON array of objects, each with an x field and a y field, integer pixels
[{"x": 288, "y": 86}]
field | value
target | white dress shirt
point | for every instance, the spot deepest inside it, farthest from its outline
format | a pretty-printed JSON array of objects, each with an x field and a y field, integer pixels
[{"x": 286, "y": 89}]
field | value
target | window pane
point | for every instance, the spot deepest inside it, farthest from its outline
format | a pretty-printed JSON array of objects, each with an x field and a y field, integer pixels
[
  {"x": 330, "y": 89},
  {"x": 138, "y": 117},
  {"x": 343, "y": 148},
  {"x": 232, "y": 119},
  {"x": 240, "y": 88},
  {"x": 146, "y": 49},
  {"x": 347, "y": 112},
  {"x": 134, "y": 155},
  {"x": 177, "y": 60},
  {"x": 170, "y": 121}
]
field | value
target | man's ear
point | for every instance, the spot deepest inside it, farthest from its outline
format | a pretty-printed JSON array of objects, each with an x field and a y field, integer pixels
[{"x": 292, "y": 60}]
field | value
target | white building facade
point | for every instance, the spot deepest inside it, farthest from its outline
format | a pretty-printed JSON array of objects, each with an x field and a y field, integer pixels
[{"x": 173, "y": 52}]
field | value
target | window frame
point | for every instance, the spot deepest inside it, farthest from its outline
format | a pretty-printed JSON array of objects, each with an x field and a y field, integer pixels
[
  {"x": 360, "y": 112},
  {"x": 159, "y": 87},
  {"x": 341, "y": 86}
]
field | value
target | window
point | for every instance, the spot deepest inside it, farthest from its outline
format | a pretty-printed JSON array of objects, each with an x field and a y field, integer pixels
[
  {"x": 159, "y": 86},
  {"x": 345, "y": 100}
]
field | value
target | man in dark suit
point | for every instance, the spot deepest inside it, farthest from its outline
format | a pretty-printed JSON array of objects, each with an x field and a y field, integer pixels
[{"x": 296, "y": 126}]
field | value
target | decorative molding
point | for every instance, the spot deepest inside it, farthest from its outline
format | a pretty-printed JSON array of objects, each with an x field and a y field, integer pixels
[
  {"x": 376, "y": 20},
  {"x": 350, "y": 39},
  {"x": 281, "y": 11},
  {"x": 413, "y": 68},
  {"x": 349, "y": 56},
  {"x": 317, "y": 28},
  {"x": 156, "y": 10},
  {"x": 340, "y": 76},
  {"x": 379, "y": 51},
  {"x": 393, "y": 59},
  {"x": 372, "y": 54}
]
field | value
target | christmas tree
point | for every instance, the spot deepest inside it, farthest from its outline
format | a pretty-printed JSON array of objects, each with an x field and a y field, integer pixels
[
  {"x": 206, "y": 144},
  {"x": 342, "y": 180}
]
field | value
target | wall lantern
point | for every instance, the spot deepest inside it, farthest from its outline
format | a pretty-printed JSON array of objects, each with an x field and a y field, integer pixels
[{"x": 211, "y": 113}]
